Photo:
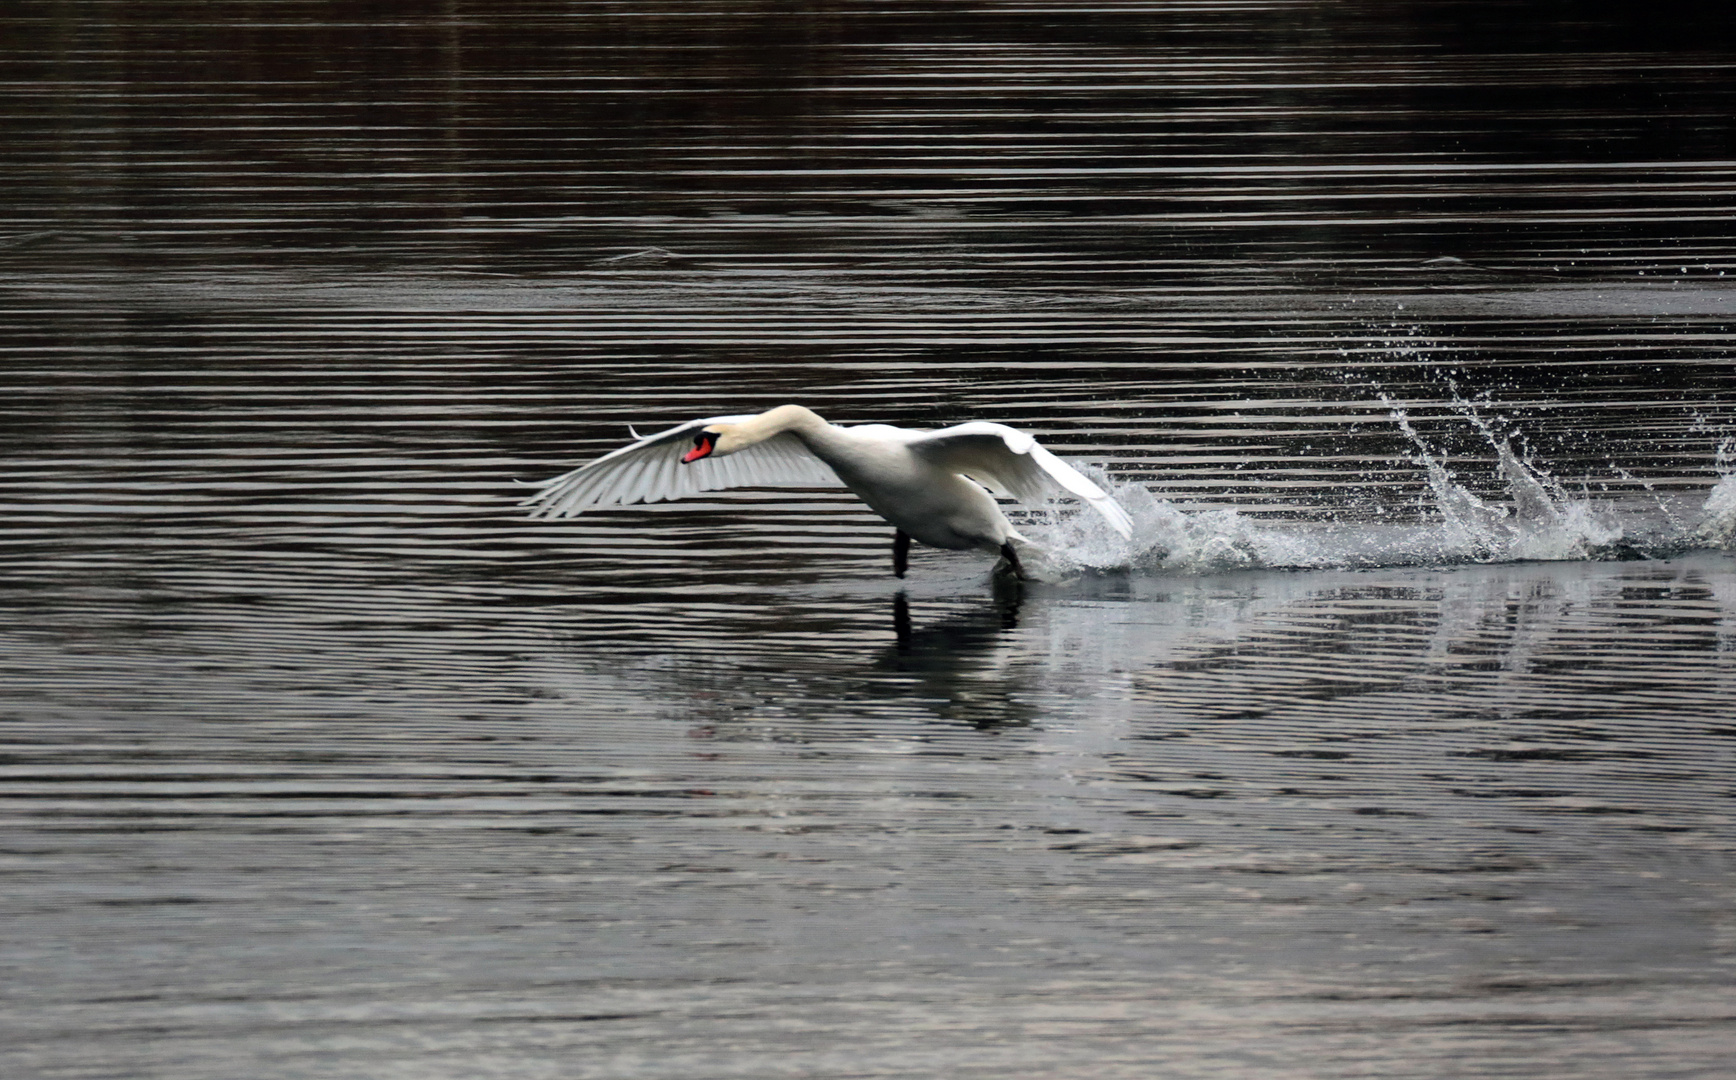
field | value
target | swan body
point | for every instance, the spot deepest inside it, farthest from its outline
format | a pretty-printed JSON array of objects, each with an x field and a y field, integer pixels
[{"x": 928, "y": 484}]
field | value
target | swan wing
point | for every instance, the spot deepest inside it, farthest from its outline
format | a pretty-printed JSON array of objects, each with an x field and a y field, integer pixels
[
  {"x": 650, "y": 470},
  {"x": 1010, "y": 460}
]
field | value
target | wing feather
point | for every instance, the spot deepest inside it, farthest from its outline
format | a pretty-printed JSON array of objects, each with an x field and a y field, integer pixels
[
  {"x": 650, "y": 470},
  {"x": 1012, "y": 461},
  {"x": 632, "y": 478},
  {"x": 665, "y": 478}
]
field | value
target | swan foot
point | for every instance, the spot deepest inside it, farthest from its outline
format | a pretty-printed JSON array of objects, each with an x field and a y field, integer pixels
[
  {"x": 900, "y": 552},
  {"x": 1012, "y": 558}
]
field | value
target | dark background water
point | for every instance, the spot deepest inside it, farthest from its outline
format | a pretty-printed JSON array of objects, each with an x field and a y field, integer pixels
[
  {"x": 1132, "y": 144},
  {"x": 319, "y": 759}
]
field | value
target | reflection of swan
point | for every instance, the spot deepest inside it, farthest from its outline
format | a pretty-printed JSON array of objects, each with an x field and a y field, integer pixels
[
  {"x": 928, "y": 484},
  {"x": 960, "y": 663},
  {"x": 1008, "y": 598}
]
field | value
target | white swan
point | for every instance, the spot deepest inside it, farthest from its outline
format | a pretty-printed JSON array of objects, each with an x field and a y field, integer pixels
[{"x": 928, "y": 484}]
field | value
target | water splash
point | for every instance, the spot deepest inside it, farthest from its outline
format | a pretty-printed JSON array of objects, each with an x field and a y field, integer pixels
[
  {"x": 1537, "y": 520},
  {"x": 1542, "y": 522},
  {"x": 1716, "y": 527},
  {"x": 1165, "y": 536}
]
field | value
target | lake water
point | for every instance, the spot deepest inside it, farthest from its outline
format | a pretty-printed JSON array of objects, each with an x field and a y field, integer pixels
[{"x": 1398, "y": 741}]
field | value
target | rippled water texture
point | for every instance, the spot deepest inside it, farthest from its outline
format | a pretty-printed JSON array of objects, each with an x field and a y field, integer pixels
[{"x": 1397, "y": 742}]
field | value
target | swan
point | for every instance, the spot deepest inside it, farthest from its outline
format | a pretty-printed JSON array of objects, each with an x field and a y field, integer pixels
[{"x": 928, "y": 484}]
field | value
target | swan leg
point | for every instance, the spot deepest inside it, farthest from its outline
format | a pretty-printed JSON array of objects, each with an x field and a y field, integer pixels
[
  {"x": 900, "y": 552},
  {"x": 1012, "y": 558}
]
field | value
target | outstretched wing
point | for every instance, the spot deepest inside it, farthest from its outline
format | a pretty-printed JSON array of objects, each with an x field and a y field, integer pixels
[
  {"x": 1011, "y": 461},
  {"x": 650, "y": 470}
]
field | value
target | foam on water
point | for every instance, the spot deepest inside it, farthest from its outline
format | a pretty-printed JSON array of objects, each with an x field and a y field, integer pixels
[{"x": 1538, "y": 520}]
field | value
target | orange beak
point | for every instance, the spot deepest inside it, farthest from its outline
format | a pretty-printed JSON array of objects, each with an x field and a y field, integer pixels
[{"x": 702, "y": 447}]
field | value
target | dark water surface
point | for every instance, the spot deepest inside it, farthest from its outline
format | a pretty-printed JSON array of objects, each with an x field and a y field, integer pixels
[{"x": 1399, "y": 741}]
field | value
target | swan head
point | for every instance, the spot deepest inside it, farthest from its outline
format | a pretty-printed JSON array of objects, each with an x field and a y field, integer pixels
[
  {"x": 723, "y": 439},
  {"x": 715, "y": 440}
]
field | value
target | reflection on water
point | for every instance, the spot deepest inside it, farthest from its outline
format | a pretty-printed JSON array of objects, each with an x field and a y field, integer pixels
[
  {"x": 1385, "y": 810},
  {"x": 1397, "y": 742},
  {"x": 960, "y": 661}
]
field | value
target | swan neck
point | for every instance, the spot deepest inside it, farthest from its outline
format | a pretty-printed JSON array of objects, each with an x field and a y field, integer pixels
[{"x": 804, "y": 423}]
